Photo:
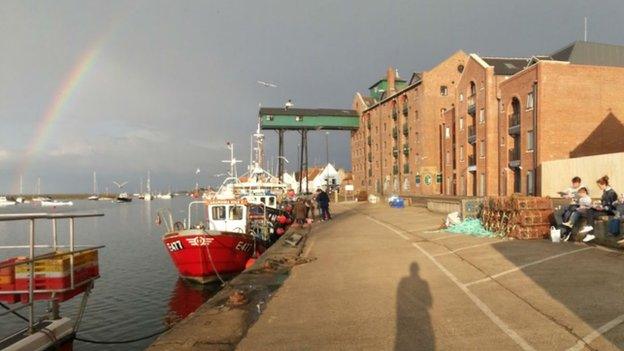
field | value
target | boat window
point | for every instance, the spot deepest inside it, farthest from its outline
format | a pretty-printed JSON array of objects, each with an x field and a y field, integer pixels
[
  {"x": 263, "y": 200},
  {"x": 271, "y": 201},
  {"x": 236, "y": 213},
  {"x": 218, "y": 213}
]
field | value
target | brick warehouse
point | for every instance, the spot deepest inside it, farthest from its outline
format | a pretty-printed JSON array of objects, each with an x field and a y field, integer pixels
[{"x": 465, "y": 127}]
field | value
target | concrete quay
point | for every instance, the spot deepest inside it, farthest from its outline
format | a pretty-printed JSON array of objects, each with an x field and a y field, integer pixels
[{"x": 387, "y": 279}]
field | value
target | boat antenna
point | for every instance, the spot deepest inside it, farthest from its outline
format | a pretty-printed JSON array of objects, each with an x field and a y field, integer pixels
[{"x": 232, "y": 161}]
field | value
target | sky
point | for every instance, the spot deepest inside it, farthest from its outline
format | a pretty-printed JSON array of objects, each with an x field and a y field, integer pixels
[{"x": 123, "y": 87}]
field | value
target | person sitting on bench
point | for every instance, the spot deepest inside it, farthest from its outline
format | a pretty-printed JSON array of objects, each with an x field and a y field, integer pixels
[
  {"x": 584, "y": 204},
  {"x": 604, "y": 207}
]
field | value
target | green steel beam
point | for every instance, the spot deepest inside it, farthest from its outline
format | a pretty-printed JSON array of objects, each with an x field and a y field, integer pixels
[{"x": 310, "y": 119}]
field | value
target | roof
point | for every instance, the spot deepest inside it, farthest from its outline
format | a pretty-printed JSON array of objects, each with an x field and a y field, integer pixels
[
  {"x": 591, "y": 53},
  {"x": 369, "y": 101},
  {"x": 416, "y": 78},
  {"x": 506, "y": 66},
  {"x": 307, "y": 112},
  {"x": 396, "y": 79}
]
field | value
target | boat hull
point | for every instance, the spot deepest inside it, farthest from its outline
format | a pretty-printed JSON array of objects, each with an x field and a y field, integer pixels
[{"x": 199, "y": 255}]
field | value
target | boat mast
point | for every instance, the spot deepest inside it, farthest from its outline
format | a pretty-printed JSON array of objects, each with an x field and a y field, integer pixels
[
  {"x": 232, "y": 161},
  {"x": 148, "y": 185},
  {"x": 94, "y": 183}
]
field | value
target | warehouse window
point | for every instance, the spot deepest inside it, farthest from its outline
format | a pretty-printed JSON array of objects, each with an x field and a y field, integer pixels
[
  {"x": 530, "y": 183},
  {"x": 530, "y": 140},
  {"x": 448, "y": 157},
  {"x": 447, "y": 132},
  {"x": 482, "y": 148},
  {"x": 481, "y": 184},
  {"x": 443, "y": 90},
  {"x": 461, "y": 123},
  {"x": 461, "y": 153},
  {"x": 529, "y": 103},
  {"x": 482, "y": 116}
]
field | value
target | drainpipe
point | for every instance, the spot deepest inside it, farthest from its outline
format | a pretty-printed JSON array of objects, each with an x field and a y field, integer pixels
[{"x": 535, "y": 139}]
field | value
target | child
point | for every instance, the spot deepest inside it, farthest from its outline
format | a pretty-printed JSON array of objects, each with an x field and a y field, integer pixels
[{"x": 584, "y": 204}]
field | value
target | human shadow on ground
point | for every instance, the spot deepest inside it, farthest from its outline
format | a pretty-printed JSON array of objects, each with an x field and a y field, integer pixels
[{"x": 413, "y": 326}]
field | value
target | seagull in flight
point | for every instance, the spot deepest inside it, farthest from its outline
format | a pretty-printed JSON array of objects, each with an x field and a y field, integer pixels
[
  {"x": 120, "y": 185},
  {"x": 267, "y": 84}
]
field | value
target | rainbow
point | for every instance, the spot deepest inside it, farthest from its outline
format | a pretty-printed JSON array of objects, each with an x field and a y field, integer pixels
[{"x": 55, "y": 108}]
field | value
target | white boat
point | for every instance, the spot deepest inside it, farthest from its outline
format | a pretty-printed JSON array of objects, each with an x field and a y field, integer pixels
[
  {"x": 56, "y": 203},
  {"x": 41, "y": 199},
  {"x": 6, "y": 202},
  {"x": 94, "y": 197},
  {"x": 123, "y": 197},
  {"x": 148, "y": 194}
]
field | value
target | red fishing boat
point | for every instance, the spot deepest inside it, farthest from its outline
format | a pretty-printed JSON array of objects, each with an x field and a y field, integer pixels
[{"x": 221, "y": 244}]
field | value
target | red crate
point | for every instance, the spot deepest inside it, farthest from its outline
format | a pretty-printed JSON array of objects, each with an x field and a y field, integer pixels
[
  {"x": 10, "y": 298},
  {"x": 43, "y": 282}
]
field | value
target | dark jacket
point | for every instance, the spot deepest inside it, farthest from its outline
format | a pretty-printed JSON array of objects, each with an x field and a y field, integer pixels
[
  {"x": 608, "y": 200},
  {"x": 323, "y": 199}
]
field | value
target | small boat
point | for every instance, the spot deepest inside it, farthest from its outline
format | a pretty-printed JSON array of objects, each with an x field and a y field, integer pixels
[
  {"x": 6, "y": 202},
  {"x": 217, "y": 248},
  {"x": 56, "y": 203},
  {"x": 147, "y": 197},
  {"x": 164, "y": 196},
  {"x": 41, "y": 199},
  {"x": 123, "y": 197},
  {"x": 94, "y": 197}
]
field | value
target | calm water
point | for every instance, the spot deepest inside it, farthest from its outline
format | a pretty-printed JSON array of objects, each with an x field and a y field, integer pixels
[{"x": 139, "y": 290}]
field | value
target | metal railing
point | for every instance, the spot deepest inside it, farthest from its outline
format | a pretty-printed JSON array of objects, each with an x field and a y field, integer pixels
[
  {"x": 405, "y": 129},
  {"x": 514, "y": 154},
  {"x": 514, "y": 120},
  {"x": 32, "y": 218},
  {"x": 472, "y": 160},
  {"x": 405, "y": 110}
]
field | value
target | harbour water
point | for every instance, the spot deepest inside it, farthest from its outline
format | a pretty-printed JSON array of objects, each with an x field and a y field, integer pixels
[{"x": 139, "y": 291}]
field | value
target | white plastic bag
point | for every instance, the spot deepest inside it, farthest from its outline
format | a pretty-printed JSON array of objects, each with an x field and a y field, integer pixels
[
  {"x": 452, "y": 219},
  {"x": 555, "y": 235}
]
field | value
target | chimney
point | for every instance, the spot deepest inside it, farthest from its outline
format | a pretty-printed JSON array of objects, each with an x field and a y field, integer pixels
[{"x": 391, "y": 77}]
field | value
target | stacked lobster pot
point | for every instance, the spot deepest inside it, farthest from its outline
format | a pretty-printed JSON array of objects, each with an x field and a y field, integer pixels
[{"x": 519, "y": 217}]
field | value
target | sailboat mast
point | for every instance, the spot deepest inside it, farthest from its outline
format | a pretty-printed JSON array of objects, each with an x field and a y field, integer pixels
[{"x": 94, "y": 183}]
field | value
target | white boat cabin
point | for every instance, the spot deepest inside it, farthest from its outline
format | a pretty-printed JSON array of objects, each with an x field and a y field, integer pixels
[{"x": 228, "y": 217}]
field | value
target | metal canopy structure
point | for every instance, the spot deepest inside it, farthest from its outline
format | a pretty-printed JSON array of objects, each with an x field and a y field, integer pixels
[{"x": 304, "y": 120}]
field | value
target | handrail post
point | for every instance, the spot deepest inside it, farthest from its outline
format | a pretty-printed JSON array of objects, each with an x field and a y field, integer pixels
[
  {"x": 31, "y": 277},
  {"x": 54, "y": 237},
  {"x": 71, "y": 249}
]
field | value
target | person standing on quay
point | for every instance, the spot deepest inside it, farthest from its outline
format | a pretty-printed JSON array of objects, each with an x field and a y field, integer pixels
[{"x": 323, "y": 199}]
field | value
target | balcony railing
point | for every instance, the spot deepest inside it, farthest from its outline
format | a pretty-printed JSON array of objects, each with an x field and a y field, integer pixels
[
  {"x": 471, "y": 105},
  {"x": 395, "y": 151},
  {"x": 395, "y": 169},
  {"x": 395, "y": 133},
  {"x": 472, "y": 134},
  {"x": 395, "y": 113},
  {"x": 369, "y": 141},
  {"x": 405, "y": 129},
  {"x": 406, "y": 149},
  {"x": 472, "y": 160},
  {"x": 370, "y": 172},
  {"x": 405, "y": 110},
  {"x": 514, "y": 155},
  {"x": 514, "y": 123},
  {"x": 406, "y": 168},
  {"x": 370, "y": 157}
]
